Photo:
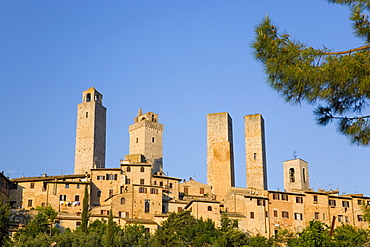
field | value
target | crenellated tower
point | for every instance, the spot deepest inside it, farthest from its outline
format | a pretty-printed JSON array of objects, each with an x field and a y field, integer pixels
[
  {"x": 146, "y": 139},
  {"x": 90, "y": 132}
]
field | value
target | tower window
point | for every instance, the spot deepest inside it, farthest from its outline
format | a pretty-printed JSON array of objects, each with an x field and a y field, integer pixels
[
  {"x": 304, "y": 175},
  {"x": 87, "y": 114},
  {"x": 142, "y": 169},
  {"x": 88, "y": 97},
  {"x": 291, "y": 175},
  {"x": 252, "y": 215},
  {"x": 209, "y": 208},
  {"x": 147, "y": 206},
  {"x": 152, "y": 139},
  {"x": 137, "y": 140},
  {"x": 254, "y": 156}
]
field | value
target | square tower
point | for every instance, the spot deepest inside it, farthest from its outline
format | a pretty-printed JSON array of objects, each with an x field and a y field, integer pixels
[
  {"x": 255, "y": 151},
  {"x": 296, "y": 175},
  {"x": 146, "y": 139},
  {"x": 220, "y": 154},
  {"x": 90, "y": 132}
]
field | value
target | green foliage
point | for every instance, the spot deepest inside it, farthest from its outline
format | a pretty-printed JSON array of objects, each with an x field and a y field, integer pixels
[
  {"x": 134, "y": 235},
  {"x": 314, "y": 235},
  {"x": 50, "y": 213},
  {"x": 108, "y": 239},
  {"x": 339, "y": 80},
  {"x": 348, "y": 236},
  {"x": 259, "y": 241},
  {"x": 229, "y": 234},
  {"x": 4, "y": 221},
  {"x": 85, "y": 211}
]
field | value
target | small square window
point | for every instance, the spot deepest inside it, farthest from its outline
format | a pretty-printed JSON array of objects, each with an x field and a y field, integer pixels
[
  {"x": 252, "y": 215},
  {"x": 67, "y": 186}
]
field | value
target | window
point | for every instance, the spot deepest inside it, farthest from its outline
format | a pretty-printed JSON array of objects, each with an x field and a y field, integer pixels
[
  {"x": 100, "y": 177},
  {"x": 142, "y": 169},
  {"x": 147, "y": 206},
  {"x": 332, "y": 203},
  {"x": 62, "y": 197},
  {"x": 98, "y": 193},
  {"x": 161, "y": 183},
  {"x": 88, "y": 97},
  {"x": 137, "y": 140},
  {"x": 291, "y": 175},
  {"x": 29, "y": 204},
  {"x": 275, "y": 196},
  {"x": 155, "y": 182},
  {"x": 298, "y": 216},
  {"x": 32, "y": 185},
  {"x": 299, "y": 199},
  {"x": 171, "y": 185},
  {"x": 111, "y": 176},
  {"x": 141, "y": 181},
  {"x": 317, "y": 215},
  {"x": 110, "y": 192},
  {"x": 186, "y": 190},
  {"x": 260, "y": 202},
  {"x": 67, "y": 186},
  {"x": 360, "y": 202},
  {"x": 78, "y": 224},
  {"x": 77, "y": 198},
  {"x": 128, "y": 169},
  {"x": 153, "y": 191},
  {"x": 209, "y": 208},
  {"x": 340, "y": 218},
  {"x": 285, "y": 214},
  {"x": 179, "y": 209},
  {"x": 104, "y": 212},
  {"x": 324, "y": 216},
  {"x": 304, "y": 175},
  {"x": 77, "y": 186},
  {"x": 360, "y": 218},
  {"x": 142, "y": 190},
  {"x": 275, "y": 213},
  {"x": 201, "y": 191},
  {"x": 128, "y": 181},
  {"x": 345, "y": 204},
  {"x": 87, "y": 114},
  {"x": 252, "y": 215},
  {"x": 123, "y": 201},
  {"x": 346, "y": 218},
  {"x": 254, "y": 156},
  {"x": 315, "y": 199},
  {"x": 284, "y": 197},
  {"x": 152, "y": 139}
]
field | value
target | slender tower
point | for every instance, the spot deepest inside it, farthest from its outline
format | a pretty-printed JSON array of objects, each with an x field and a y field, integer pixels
[
  {"x": 90, "y": 132},
  {"x": 296, "y": 175},
  {"x": 220, "y": 154},
  {"x": 146, "y": 139},
  {"x": 255, "y": 152}
]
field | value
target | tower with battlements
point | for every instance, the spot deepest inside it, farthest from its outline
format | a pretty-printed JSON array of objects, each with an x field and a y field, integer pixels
[
  {"x": 90, "y": 132},
  {"x": 146, "y": 139}
]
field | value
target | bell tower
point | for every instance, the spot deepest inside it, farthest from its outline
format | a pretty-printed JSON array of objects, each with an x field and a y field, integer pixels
[
  {"x": 146, "y": 139},
  {"x": 296, "y": 175},
  {"x": 90, "y": 132}
]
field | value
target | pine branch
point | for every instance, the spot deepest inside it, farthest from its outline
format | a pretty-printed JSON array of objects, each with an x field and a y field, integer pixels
[{"x": 349, "y": 51}]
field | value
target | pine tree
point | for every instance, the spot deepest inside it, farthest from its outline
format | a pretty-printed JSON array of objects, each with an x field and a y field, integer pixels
[
  {"x": 85, "y": 211},
  {"x": 337, "y": 83}
]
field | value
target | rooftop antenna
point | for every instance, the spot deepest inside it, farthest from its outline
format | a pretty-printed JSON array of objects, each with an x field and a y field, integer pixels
[{"x": 295, "y": 155}]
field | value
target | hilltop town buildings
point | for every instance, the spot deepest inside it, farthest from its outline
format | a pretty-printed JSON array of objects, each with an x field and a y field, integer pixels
[{"x": 139, "y": 192}]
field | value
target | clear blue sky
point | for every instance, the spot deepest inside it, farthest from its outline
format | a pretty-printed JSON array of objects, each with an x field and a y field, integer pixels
[{"x": 180, "y": 59}]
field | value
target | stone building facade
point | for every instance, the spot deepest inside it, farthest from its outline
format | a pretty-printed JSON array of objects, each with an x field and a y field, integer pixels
[{"x": 138, "y": 191}]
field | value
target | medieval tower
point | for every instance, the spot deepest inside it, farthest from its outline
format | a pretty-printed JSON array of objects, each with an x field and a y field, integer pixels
[
  {"x": 255, "y": 152},
  {"x": 90, "y": 132},
  {"x": 146, "y": 139},
  {"x": 220, "y": 154},
  {"x": 296, "y": 175}
]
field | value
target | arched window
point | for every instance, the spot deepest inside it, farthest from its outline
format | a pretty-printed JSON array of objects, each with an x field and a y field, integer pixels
[
  {"x": 123, "y": 201},
  {"x": 304, "y": 175},
  {"x": 152, "y": 139},
  {"x": 88, "y": 97},
  {"x": 291, "y": 175},
  {"x": 209, "y": 208},
  {"x": 142, "y": 169},
  {"x": 128, "y": 169}
]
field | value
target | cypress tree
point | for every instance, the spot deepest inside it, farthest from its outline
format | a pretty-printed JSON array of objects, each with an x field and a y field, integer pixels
[{"x": 85, "y": 211}]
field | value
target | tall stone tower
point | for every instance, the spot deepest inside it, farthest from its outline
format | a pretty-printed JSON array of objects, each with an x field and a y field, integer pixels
[
  {"x": 296, "y": 175},
  {"x": 90, "y": 132},
  {"x": 146, "y": 139},
  {"x": 255, "y": 152},
  {"x": 220, "y": 154}
]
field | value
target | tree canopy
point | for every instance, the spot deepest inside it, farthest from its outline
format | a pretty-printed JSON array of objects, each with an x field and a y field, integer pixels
[{"x": 337, "y": 83}]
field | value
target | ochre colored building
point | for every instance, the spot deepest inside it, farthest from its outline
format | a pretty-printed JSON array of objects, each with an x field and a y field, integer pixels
[{"x": 138, "y": 191}]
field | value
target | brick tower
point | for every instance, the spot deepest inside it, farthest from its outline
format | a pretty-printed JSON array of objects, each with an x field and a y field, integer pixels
[
  {"x": 220, "y": 154},
  {"x": 255, "y": 152},
  {"x": 146, "y": 139},
  {"x": 90, "y": 132}
]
